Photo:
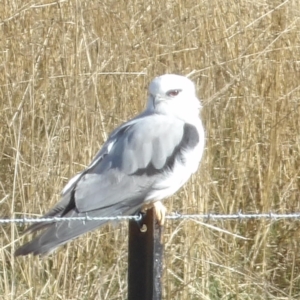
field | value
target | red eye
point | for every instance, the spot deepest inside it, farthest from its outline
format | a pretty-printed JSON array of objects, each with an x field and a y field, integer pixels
[{"x": 173, "y": 93}]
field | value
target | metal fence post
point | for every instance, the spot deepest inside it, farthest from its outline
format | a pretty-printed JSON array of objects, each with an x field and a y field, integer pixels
[{"x": 145, "y": 258}]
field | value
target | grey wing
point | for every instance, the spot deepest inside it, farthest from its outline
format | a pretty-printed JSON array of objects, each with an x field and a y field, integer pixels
[
  {"x": 117, "y": 181},
  {"x": 136, "y": 161}
]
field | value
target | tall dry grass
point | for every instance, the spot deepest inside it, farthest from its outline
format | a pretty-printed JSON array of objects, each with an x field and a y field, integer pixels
[{"x": 61, "y": 95}]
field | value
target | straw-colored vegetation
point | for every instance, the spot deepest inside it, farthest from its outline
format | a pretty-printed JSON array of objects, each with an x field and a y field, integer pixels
[{"x": 63, "y": 88}]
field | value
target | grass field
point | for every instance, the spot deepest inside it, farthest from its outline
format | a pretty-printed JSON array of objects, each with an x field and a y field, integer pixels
[{"x": 70, "y": 71}]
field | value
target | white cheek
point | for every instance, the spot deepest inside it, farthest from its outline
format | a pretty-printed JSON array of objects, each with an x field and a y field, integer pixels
[{"x": 182, "y": 103}]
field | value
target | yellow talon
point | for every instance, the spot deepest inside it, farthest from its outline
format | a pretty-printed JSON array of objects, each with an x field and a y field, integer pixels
[{"x": 160, "y": 211}]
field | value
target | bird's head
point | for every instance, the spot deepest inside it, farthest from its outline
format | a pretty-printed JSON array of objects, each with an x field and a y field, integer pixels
[{"x": 173, "y": 95}]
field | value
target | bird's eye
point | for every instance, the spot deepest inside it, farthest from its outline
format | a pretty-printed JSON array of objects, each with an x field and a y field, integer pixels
[{"x": 173, "y": 93}]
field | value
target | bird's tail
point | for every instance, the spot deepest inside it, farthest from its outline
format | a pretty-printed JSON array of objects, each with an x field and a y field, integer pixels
[{"x": 59, "y": 233}]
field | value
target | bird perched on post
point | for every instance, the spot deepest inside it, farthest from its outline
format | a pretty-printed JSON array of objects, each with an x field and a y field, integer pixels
[{"x": 144, "y": 161}]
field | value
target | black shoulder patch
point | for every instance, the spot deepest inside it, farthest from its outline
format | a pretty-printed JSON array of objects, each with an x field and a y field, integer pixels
[
  {"x": 190, "y": 137},
  {"x": 189, "y": 140}
]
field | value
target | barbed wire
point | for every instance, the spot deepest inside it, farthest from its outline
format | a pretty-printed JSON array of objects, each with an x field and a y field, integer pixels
[{"x": 176, "y": 216}]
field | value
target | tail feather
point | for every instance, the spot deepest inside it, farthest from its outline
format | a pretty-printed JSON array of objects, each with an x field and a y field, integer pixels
[
  {"x": 57, "y": 211},
  {"x": 60, "y": 233}
]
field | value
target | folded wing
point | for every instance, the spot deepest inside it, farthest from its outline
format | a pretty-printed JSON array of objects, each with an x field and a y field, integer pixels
[{"x": 137, "y": 155}]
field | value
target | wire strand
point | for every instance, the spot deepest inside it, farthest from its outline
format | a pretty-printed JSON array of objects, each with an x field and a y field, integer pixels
[{"x": 176, "y": 216}]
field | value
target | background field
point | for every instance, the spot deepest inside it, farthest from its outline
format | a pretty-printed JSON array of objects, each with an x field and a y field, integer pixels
[{"x": 63, "y": 88}]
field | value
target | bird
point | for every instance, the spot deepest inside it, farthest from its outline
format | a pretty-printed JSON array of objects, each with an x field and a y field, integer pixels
[{"x": 143, "y": 161}]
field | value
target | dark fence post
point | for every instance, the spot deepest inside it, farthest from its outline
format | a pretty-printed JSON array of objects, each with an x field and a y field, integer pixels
[{"x": 145, "y": 258}]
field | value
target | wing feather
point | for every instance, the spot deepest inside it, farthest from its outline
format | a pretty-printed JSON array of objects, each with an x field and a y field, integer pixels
[
  {"x": 136, "y": 157},
  {"x": 115, "y": 178}
]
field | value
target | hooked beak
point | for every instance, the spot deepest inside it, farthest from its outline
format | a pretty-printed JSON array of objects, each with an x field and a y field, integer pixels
[{"x": 156, "y": 99}]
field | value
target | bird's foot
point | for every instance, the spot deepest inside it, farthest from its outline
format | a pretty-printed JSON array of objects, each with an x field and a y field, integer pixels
[{"x": 159, "y": 209}]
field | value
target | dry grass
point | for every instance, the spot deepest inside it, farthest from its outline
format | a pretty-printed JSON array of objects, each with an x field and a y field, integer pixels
[{"x": 57, "y": 105}]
